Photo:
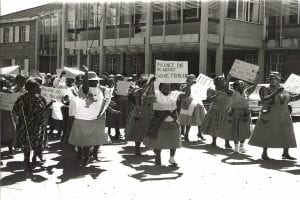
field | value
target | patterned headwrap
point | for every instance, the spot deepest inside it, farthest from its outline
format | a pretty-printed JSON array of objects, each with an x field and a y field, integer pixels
[{"x": 275, "y": 74}]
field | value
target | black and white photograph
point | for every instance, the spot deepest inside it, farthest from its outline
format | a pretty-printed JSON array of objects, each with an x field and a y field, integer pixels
[{"x": 149, "y": 99}]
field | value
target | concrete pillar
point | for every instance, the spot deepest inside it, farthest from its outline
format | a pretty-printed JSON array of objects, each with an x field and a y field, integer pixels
[
  {"x": 122, "y": 62},
  {"x": 261, "y": 63},
  {"x": 148, "y": 46},
  {"x": 102, "y": 53},
  {"x": 63, "y": 35},
  {"x": 203, "y": 37},
  {"x": 37, "y": 44},
  {"x": 220, "y": 46},
  {"x": 78, "y": 58}
]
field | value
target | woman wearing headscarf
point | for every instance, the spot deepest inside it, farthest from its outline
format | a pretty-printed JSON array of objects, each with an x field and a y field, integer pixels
[
  {"x": 274, "y": 127},
  {"x": 236, "y": 124},
  {"x": 163, "y": 131},
  {"x": 29, "y": 114},
  {"x": 88, "y": 129},
  {"x": 220, "y": 104},
  {"x": 139, "y": 117},
  {"x": 192, "y": 112}
]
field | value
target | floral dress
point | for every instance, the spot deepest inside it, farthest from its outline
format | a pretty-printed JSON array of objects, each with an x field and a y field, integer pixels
[{"x": 30, "y": 125}]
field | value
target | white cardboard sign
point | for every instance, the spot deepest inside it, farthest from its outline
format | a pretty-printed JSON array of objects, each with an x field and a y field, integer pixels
[
  {"x": 50, "y": 93},
  {"x": 198, "y": 90},
  {"x": 244, "y": 71},
  {"x": 171, "y": 71},
  {"x": 292, "y": 84},
  {"x": 122, "y": 87}
]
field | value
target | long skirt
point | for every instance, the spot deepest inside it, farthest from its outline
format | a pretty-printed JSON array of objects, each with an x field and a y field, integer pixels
[
  {"x": 212, "y": 121},
  {"x": 274, "y": 129},
  {"x": 236, "y": 126},
  {"x": 8, "y": 131},
  {"x": 88, "y": 132},
  {"x": 122, "y": 103},
  {"x": 168, "y": 137},
  {"x": 196, "y": 119},
  {"x": 138, "y": 123}
]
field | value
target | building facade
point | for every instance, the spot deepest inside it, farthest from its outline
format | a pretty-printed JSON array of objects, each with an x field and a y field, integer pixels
[
  {"x": 127, "y": 37},
  {"x": 29, "y": 38}
]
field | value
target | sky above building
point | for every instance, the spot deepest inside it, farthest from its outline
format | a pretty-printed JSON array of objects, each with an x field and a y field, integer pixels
[{"x": 10, "y": 6}]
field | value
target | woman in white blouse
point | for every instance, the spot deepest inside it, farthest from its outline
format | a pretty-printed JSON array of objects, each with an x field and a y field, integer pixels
[{"x": 163, "y": 132}]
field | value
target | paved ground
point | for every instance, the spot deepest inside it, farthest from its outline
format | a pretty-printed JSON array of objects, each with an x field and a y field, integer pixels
[{"x": 203, "y": 173}]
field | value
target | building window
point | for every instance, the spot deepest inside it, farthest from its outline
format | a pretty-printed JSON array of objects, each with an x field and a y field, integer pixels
[
  {"x": 111, "y": 19},
  {"x": 112, "y": 64},
  {"x": 6, "y": 35},
  {"x": 136, "y": 63},
  {"x": 158, "y": 14},
  {"x": 173, "y": 12},
  {"x": 244, "y": 10},
  {"x": 125, "y": 13},
  {"x": 251, "y": 58},
  {"x": 23, "y": 33},
  {"x": 277, "y": 63},
  {"x": 191, "y": 10},
  {"x": 95, "y": 63}
]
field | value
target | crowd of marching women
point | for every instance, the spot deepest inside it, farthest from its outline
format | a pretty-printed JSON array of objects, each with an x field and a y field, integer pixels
[{"x": 155, "y": 116}]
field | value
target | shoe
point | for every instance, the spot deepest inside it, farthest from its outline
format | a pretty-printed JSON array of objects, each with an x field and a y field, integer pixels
[
  {"x": 201, "y": 136},
  {"x": 137, "y": 152},
  {"x": 172, "y": 162},
  {"x": 265, "y": 157},
  {"x": 228, "y": 146},
  {"x": 95, "y": 155},
  {"x": 213, "y": 144},
  {"x": 242, "y": 149},
  {"x": 40, "y": 156},
  {"x": 236, "y": 148},
  {"x": 288, "y": 157}
]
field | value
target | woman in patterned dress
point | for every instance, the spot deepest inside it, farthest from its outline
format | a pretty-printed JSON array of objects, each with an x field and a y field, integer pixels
[
  {"x": 236, "y": 124},
  {"x": 192, "y": 113},
  {"x": 29, "y": 114},
  {"x": 220, "y": 104},
  {"x": 139, "y": 117},
  {"x": 274, "y": 128}
]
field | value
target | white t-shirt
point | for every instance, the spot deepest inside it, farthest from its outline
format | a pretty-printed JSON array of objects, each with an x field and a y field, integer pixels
[
  {"x": 82, "y": 110},
  {"x": 166, "y": 102},
  {"x": 56, "y": 110}
]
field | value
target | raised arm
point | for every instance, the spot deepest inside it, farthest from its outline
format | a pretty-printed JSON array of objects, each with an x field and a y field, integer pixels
[
  {"x": 85, "y": 84},
  {"x": 227, "y": 87},
  {"x": 295, "y": 97},
  {"x": 251, "y": 89},
  {"x": 265, "y": 96}
]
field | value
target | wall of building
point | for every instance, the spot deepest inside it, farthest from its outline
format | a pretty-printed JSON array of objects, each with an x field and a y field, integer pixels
[{"x": 19, "y": 50}]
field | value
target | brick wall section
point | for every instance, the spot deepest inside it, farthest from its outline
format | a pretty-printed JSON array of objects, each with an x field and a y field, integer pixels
[{"x": 19, "y": 50}]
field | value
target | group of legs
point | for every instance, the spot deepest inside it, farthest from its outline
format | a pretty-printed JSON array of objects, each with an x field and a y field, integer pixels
[
  {"x": 185, "y": 132},
  {"x": 83, "y": 153}
]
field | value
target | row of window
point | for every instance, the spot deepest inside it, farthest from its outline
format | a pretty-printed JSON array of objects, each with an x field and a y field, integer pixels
[{"x": 15, "y": 34}]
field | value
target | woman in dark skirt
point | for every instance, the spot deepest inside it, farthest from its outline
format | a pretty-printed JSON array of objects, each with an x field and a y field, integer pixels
[
  {"x": 139, "y": 117},
  {"x": 274, "y": 128},
  {"x": 163, "y": 132},
  {"x": 29, "y": 114}
]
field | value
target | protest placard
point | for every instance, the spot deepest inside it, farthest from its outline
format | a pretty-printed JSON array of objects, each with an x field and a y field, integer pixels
[
  {"x": 198, "y": 90},
  {"x": 171, "y": 71},
  {"x": 72, "y": 72},
  {"x": 123, "y": 86},
  {"x": 10, "y": 70},
  {"x": 50, "y": 93},
  {"x": 244, "y": 71},
  {"x": 7, "y": 100},
  {"x": 292, "y": 84}
]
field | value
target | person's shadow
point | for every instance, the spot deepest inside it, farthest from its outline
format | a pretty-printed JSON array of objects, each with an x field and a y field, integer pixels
[
  {"x": 19, "y": 174},
  {"x": 71, "y": 167},
  {"x": 145, "y": 168}
]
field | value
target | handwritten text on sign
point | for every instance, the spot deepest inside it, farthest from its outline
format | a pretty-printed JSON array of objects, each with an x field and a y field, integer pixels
[
  {"x": 171, "y": 71},
  {"x": 292, "y": 84},
  {"x": 244, "y": 71},
  {"x": 7, "y": 101},
  {"x": 200, "y": 87},
  {"x": 122, "y": 87},
  {"x": 50, "y": 93}
]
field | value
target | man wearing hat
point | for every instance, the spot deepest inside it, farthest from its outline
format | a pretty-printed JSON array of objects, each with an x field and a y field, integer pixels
[{"x": 88, "y": 126}]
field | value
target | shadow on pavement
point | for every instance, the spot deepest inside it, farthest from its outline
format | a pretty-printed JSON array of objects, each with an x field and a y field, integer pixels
[
  {"x": 147, "y": 172},
  {"x": 71, "y": 167},
  {"x": 19, "y": 174}
]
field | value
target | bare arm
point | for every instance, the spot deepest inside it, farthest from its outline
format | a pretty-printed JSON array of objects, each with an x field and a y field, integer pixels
[
  {"x": 85, "y": 84},
  {"x": 295, "y": 97}
]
